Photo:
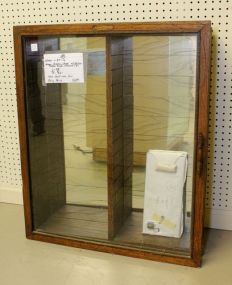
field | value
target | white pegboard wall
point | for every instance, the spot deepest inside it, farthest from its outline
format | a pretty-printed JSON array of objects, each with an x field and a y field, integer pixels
[{"x": 22, "y": 12}]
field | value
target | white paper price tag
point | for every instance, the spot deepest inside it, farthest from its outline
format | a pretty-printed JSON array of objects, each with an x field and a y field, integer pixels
[{"x": 63, "y": 68}]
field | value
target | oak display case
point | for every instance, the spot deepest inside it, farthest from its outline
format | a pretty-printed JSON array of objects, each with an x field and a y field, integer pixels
[{"x": 83, "y": 145}]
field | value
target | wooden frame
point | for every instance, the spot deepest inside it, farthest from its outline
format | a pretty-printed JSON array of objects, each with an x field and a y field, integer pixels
[{"x": 203, "y": 30}]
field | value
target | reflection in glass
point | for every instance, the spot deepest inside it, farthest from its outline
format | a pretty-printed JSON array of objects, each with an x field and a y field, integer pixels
[
  {"x": 84, "y": 123},
  {"x": 67, "y": 133},
  {"x": 164, "y": 85},
  {"x": 67, "y": 182}
]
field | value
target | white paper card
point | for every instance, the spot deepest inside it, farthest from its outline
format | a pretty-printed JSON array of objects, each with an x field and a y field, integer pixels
[
  {"x": 164, "y": 188},
  {"x": 34, "y": 47},
  {"x": 63, "y": 68}
]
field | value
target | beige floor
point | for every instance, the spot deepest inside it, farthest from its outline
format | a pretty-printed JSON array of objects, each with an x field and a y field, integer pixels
[{"x": 30, "y": 262}]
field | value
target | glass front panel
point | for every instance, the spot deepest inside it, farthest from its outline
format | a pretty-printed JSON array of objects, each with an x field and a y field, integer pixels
[
  {"x": 91, "y": 102},
  {"x": 68, "y": 180},
  {"x": 164, "y": 92}
]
